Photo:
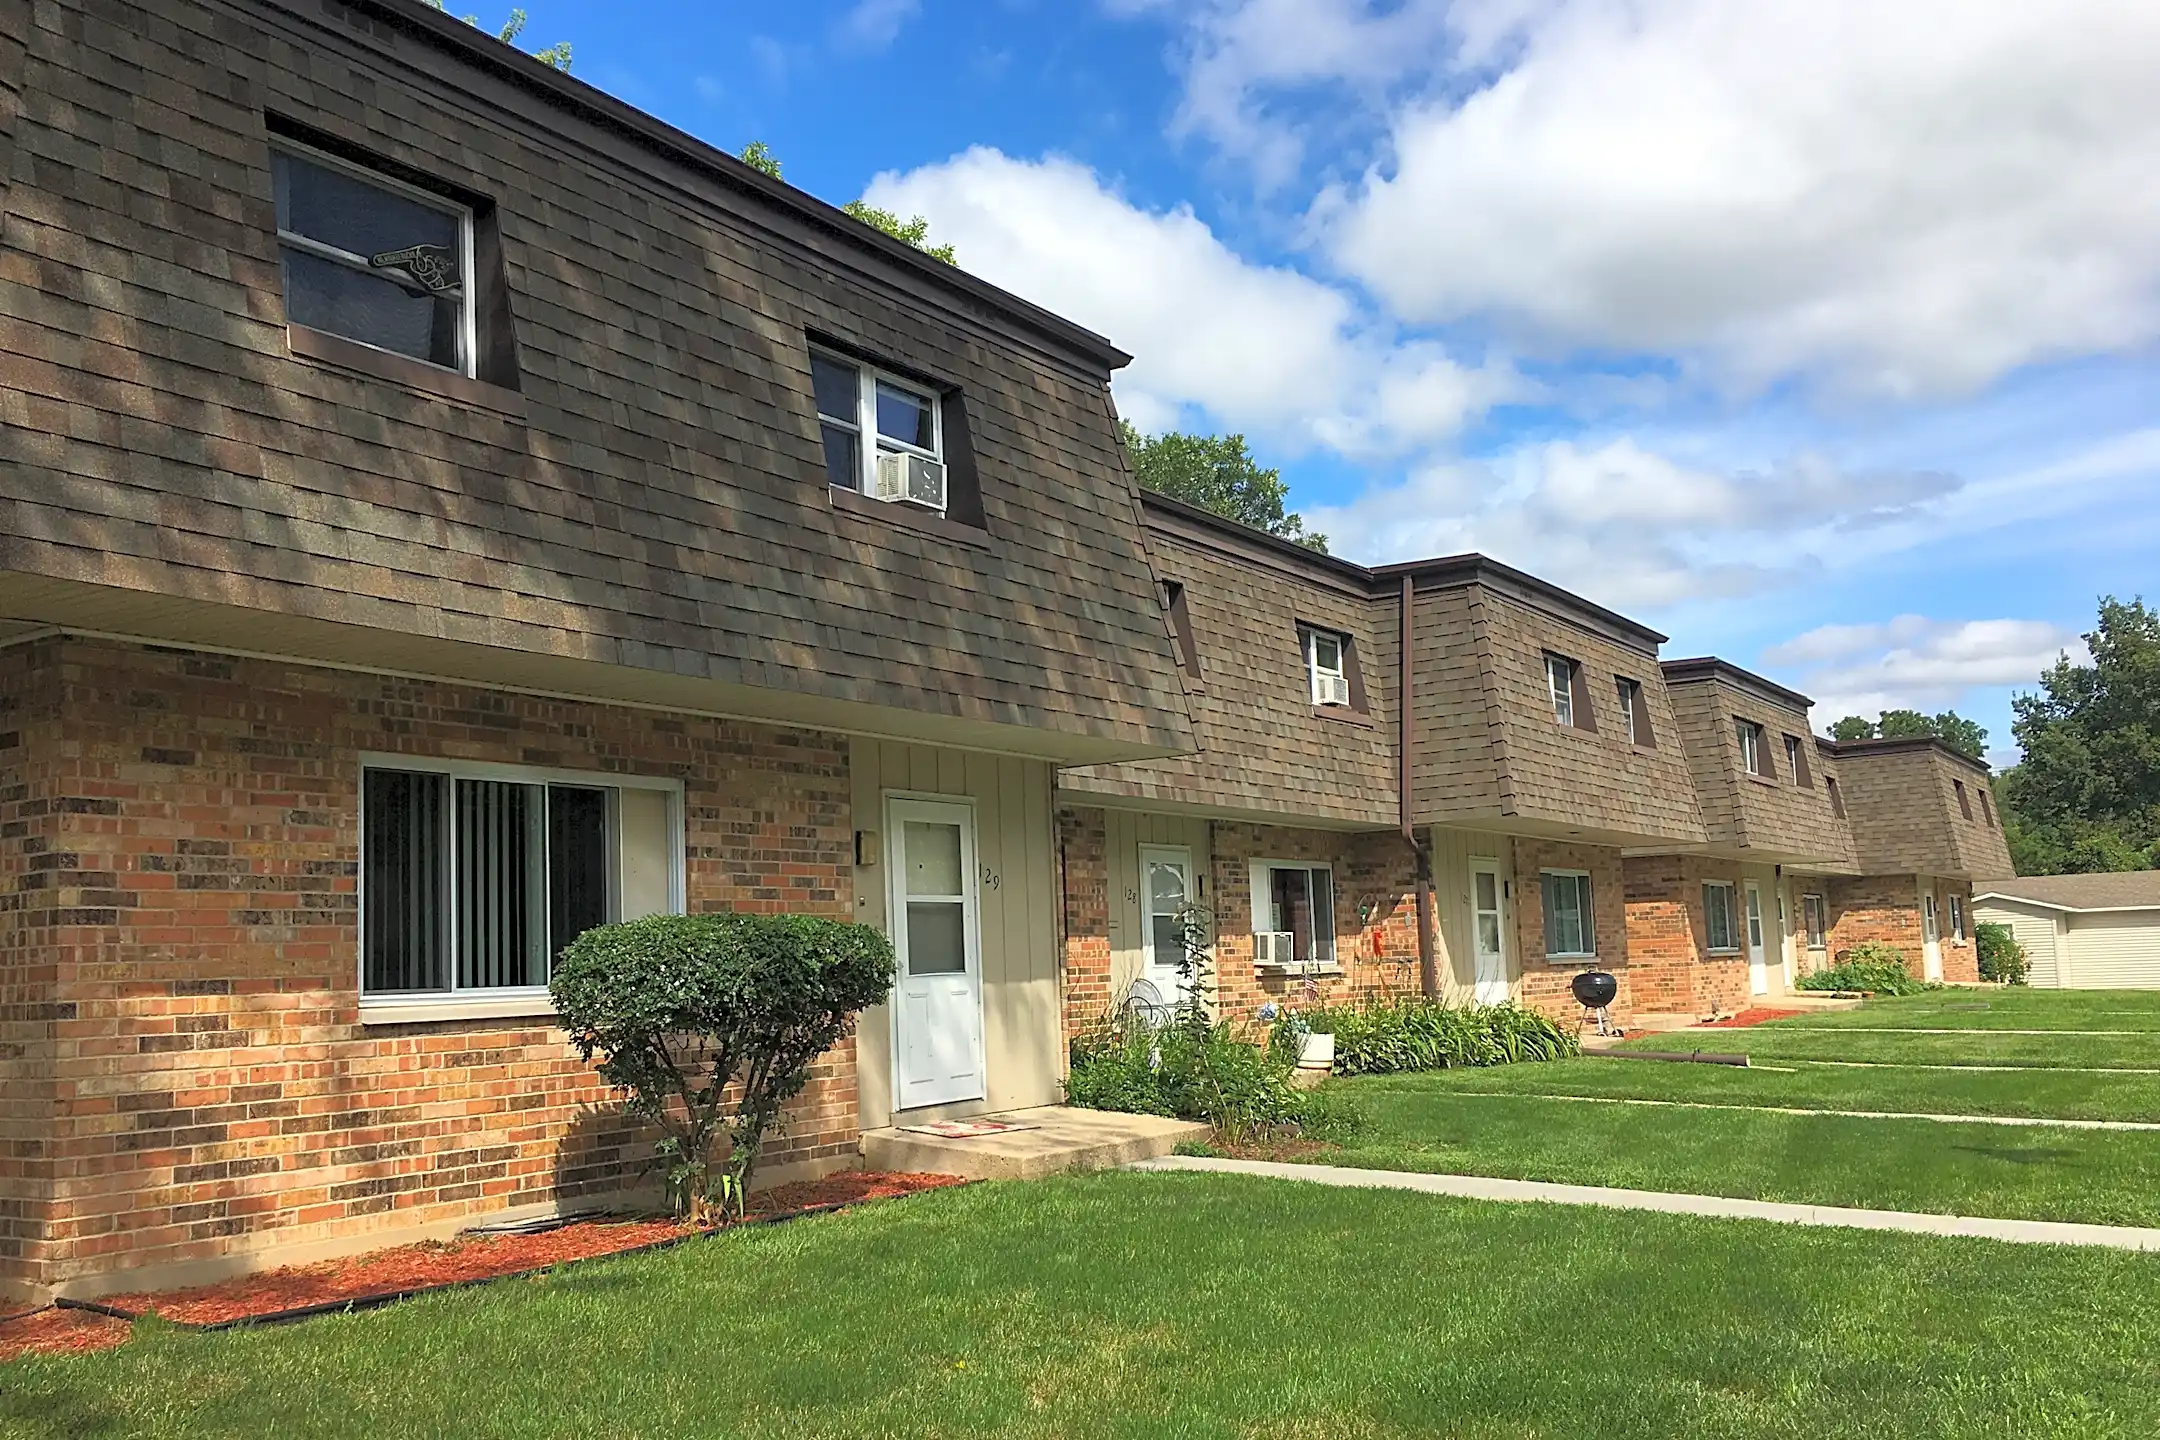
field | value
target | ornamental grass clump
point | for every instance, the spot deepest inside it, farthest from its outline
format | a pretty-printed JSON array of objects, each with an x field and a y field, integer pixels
[
  {"x": 1388, "y": 1037},
  {"x": 1871, "y": 966},
  {"x": 709, "y": 1024}
]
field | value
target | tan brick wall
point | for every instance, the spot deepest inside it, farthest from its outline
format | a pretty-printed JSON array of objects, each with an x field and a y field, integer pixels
[
  {"x": 1673, "y": 969},
  {"x": 193, "y": 897},
  {"x": 1085, "y": 926},
  {"x": 1373, "y": 870},
  {"x": 1545, "y": 982}
]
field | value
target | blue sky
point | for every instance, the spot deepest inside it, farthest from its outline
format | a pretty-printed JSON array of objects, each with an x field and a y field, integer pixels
[{"x": 1818, "y": 333}]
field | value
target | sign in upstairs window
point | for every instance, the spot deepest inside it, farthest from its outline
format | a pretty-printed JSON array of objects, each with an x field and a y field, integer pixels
[{"x": 373, "y": 259}]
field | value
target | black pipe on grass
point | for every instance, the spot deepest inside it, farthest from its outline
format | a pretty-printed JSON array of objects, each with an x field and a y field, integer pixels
[{"x": 1686, "y": 1057}]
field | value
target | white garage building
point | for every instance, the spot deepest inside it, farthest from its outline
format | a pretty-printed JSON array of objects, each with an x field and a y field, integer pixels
[{"x": 2082, "y": 932}]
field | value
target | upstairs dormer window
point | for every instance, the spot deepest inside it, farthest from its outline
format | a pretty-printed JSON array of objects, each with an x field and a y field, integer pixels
[
  {"x": 1754, "y": 749},
  {"x": 1327, "y": 667},
  {"x": 1987, "y": 809},
  {"x": 1837, "y": 796},
  {"x": 372, "y": 259},
  {"x": 1964, "y": 800},
  {"x": 1560, "y": 685},
  {"x": 1796, "y": 762},
  {"x": 1635, "y": 710},
  {"x": 884, "y": 435}
]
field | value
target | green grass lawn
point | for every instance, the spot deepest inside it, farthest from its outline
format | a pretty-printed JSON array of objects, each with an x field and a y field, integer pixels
[
  {"x": 2006, "y": 1009},
  {"x": 1190, "y": 1305},
  {"x": 1975, "y": 1047},
  {"x": 2038, "y": 1093},
  {"x": 1423, "y": 1123}
]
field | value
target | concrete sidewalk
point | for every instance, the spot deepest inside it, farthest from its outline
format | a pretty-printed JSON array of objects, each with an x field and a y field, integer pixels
[
  {"x": 1474, "y": 1187},
  {"x": 2033, "y": 1121}
]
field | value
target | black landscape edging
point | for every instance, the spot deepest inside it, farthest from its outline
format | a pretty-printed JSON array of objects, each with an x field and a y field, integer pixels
[{"x": 388, "y": 1297}]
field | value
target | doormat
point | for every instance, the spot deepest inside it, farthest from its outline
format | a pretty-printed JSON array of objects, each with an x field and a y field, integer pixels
[{"x": 968, "y": 1129}]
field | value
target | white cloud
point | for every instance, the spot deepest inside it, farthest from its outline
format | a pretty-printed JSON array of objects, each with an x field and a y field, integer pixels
[
  {"x": 875, "y": 24},
  {"x": 1625, "y": 525},
  {"x": 1906, "y": 199},
  {"x": 1915, "y": 663},
  {"x": 1259, "y": 348}
]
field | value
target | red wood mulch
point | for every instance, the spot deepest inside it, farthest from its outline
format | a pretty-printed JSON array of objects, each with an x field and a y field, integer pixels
[
  {"x": 411, "y": 1268},
  {"x": 1749, "y": 1017},
  {"x": 59, "y": 1332}
]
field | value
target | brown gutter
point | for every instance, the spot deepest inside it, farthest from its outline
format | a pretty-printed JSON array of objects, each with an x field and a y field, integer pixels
[{"x": 1406, "y": 757}]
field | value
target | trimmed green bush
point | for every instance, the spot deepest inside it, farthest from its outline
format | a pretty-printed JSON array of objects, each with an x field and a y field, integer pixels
[
  {"x": 710, "y": 1023},
  {"x": 2002, "y": 958},
  {"x": 1389, "y": 1037},
  {"x": 1871, "y": 966}
]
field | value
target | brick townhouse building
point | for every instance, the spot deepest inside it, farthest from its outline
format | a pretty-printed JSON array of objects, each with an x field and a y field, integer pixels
[
  {"x": 1561, "y": 798},
  {"x": 1537, "y": 748},
  {"x": 443, "y": 508},
  {"x": 1925, "y": 829},
  {"x": 440, "y": 510}
]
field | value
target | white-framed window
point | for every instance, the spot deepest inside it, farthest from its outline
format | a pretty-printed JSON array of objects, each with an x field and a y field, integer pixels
[
  {"x": 864, "y": 412},
  {"x": 1293, "y": 912},
  {"x": 1754, "y": 749},
  {"x": 1721, "y": 926},
  {"x": 1814, "y": 917},
  {"x": 1327, "y": 667},
  {"x": 1957, "y": 918},
  {"x": 1560, "y": 684},
  {"x": 373, "y": 259},
  {"x": 1570, "y": 932},
  {"x": 474, "y": 877}
]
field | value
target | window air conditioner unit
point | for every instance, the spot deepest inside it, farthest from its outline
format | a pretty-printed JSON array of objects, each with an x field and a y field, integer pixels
[
  {"x": 1332, "y": 689},
  {"x": 909, "y": 480},
  {"x": 1274, "y": 947}
]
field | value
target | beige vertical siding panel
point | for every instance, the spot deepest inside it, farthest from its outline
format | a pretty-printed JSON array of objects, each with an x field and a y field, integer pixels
[
  {"x": 2119, "y": 951},
  {"x": 2034, "y": 929}
]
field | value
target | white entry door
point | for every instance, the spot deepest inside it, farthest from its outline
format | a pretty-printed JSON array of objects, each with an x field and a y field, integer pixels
[
  {"x": 1165, "y": 904},
  {"x": 1488, "y": 905},
  {"x": 1758, "y": 956},
  {"x": 1930, "y": 935},
  {"x": 937, "y": 999}
]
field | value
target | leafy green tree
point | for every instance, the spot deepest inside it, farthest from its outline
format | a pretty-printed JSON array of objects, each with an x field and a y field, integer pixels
[
  {"x": 914, "y": 230},
  {"x": 758, "y": 156},
  {"x": 1968, "y": 737},
  {"x": 1218, "y": 474},
  {"x": 557, "y": 55},
  {"x": 2086, "y": 795}
]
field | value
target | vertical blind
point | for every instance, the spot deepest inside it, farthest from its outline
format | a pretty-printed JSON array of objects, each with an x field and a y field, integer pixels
[{"x": 478, "y": 884}]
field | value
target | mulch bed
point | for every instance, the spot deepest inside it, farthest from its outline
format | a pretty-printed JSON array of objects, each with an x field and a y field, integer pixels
[
  {"x": 1748, "y": 1017},
  {"x": 59, "y": 1332},
  {"x": 385, "y": 1275}
]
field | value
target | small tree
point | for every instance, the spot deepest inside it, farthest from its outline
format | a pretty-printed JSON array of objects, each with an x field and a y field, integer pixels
[
  {"x": 2002, "y": 959},
  {"x": 710, "y": 1023}
]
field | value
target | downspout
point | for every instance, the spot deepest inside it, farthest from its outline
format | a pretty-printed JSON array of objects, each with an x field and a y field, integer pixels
[{"x": 1406, "y": 756}]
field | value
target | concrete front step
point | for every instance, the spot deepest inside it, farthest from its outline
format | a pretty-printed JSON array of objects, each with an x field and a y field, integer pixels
[{"x": 1061, "y": 1138}]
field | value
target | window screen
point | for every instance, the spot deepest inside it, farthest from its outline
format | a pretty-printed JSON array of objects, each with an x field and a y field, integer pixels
[{"x": 369, "y": 259}]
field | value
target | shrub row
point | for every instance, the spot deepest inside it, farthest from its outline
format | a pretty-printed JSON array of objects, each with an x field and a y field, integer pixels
[
  {"x": 1871, "y": 966},
  {"x": 1194, "y": 1070},
  {"x": 1387, "y": 1037}
]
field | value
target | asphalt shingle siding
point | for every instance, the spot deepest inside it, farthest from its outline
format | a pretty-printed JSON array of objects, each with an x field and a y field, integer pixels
[
  {"x": 1748, "y": 812},
  {"x": 654, "y": 496}
]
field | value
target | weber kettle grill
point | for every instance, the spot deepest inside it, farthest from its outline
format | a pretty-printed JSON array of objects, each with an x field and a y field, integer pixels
[{"x": 1594, "y": 990}]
